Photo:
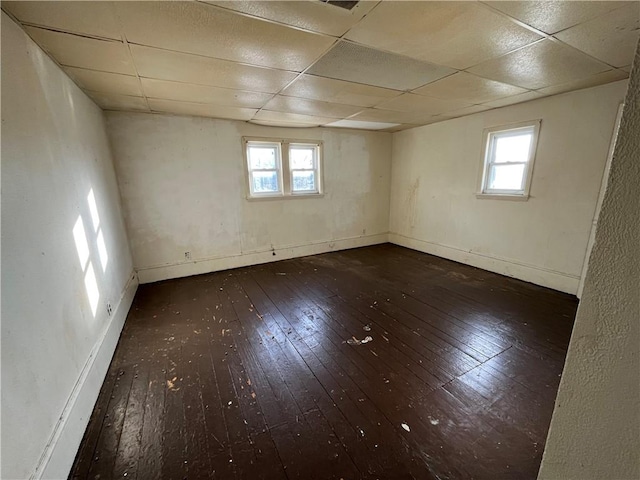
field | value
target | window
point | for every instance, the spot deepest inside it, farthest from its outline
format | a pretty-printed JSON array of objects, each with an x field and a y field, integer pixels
[
  {"x": 509, "y": 153},
  {"x": 282, "y": 168}
]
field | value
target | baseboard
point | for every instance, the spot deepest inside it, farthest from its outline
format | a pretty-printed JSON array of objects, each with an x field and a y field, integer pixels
[
  {"x": 207, "y": 265},
  {"x": 529, "y": 273},
  {"x": 57, "y": 459}
]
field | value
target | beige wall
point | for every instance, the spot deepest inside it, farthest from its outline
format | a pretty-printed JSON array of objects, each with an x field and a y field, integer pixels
[
  {"x": 55, "y": 351},
  {"x": 595, "y": 429},
  {"x": 183, "y": 189},
  {"x": 543, "y": 240}
]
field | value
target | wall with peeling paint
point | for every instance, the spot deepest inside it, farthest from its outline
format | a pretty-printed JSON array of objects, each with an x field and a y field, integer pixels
[
  {"x": 55, "y": 350},
  {"x": 183, "y": 188},
  {"x": 595, "y": 429},
  {"x": 543, "y": 240}
]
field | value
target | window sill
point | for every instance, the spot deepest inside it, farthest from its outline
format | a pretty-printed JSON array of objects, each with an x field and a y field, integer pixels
[
  {"x": 285, "y": 197},
  {"x": 502, "y": 196}
]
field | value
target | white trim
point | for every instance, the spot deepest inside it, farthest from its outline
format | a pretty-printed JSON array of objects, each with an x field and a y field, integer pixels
[
  {"x": 61, "y": 449},
  {"x": 284, "y": 168},
  {"x": 561, "y": 281},
  {"x": 487, "y": 154},
  {"x": 243, "y": 259}
]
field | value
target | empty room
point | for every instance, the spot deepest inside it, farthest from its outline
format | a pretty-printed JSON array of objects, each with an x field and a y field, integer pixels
[{"x": 320, "y": 240}]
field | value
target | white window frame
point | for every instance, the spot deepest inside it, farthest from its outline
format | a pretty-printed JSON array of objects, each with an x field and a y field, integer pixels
[
  {"x": 285, "y": 171},
  {"x": 488, "y": 150}
]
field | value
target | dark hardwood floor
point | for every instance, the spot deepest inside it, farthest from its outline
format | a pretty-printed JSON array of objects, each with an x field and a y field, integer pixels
[{"x": 247, "y": 373}]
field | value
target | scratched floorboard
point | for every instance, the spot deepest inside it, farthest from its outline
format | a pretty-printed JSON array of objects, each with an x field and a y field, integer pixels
[{"x": 247, "y": 374}]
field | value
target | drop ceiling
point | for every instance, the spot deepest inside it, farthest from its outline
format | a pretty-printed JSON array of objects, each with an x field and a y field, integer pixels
[{"x": 386, "y": 65}]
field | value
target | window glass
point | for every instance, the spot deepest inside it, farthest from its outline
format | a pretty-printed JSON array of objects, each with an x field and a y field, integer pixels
[
  {"x": 301, "y": 158},
  {"x": 506, "y": 177},
  {"x": 304, "y": 181},
  {"x": 265, "y": 182},
  {"x": 262, "y": 157},
  {"x": 512, "y": 148}
]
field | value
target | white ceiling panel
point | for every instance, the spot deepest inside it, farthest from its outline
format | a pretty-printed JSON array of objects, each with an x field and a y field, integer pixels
[
  {"x": 305, "y": 106},
  {"x": 592, "y": 81},
  {"x": 307, "y": 63},
  {"x": 200, "y": 109},
  {"x": 187, "y": 92},
  {"x": 338, "y": 91},
  {"x": 611, "y": 38},
  {"x": 77, "y": 51},
  {"x": 310, "y": 15},
  {"x": 540, "y": 65},
  {"x": 410, "y": 102},
  {"x": 455, "y": 34},
  {"x": 214, "y": 32},
  {"x": 88, "y": 18},
  {"x": 359, "y": 64},
  {"x": 523, "y": 97},
  {"x": 287, "y": 119},
  {"x": 196, "y": 69},
  {"x": 112, "y": 101},
  {"x": 553, "y": 16},
  {"x": 469, "y": 88},
  {"x": 104, "y": 82}
]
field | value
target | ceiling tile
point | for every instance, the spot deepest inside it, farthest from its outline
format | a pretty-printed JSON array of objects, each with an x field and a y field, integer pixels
[
  {"x": 356, "y": 63},
  {"x": 553, "y": 16},
  {"x": 104, "y": 82},
  {"x": 111, "y": 101},
  {"x": 305, "y": 106},
  {"x": 184, "y": 67},
  {"x": 523, "y": 97},
  {"x": 310, "y": 15},
  {"x": 290, "y": 119},
  {"x": 359, "y": 124},
  {"x": 76, "y": 51},
  {"x": 410, "y": 102},
  {"x": 399, "y": 128},
  {"x": 338, "y": 91},
  {"x": 468, "y": 88},
  {"x": 540, "y": 65},
  {"x": 611, "y": 38},
  {"x": 392, "y": 116},
  {"x": 592, "y": 81},
  {"x": 461, "y": 112},
  {"x": 200, "y": 109},
  {"x": 75, "y": 17},
  {"x": 186, "y": 92},
  {"x": 205, "y": 30},
  {"x": 456, "y": 34}
]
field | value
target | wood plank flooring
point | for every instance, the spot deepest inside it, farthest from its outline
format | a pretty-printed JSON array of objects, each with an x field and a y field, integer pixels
[{"x": 247, "y": 373}]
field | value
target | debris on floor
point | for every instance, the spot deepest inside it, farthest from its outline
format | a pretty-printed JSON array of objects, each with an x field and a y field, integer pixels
[
  {"x": 406, "y": 427},
  {"x": 355, "y": 341},
  {"x": 367, "y": 328}
]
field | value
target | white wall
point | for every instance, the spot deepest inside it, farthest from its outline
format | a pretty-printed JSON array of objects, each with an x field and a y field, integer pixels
[
  {"x": 543, "y": 240},
  {"x": 183, "y": 189},
  {"x": 595, "y": 429},
  {"x": 55, "y": 352}
]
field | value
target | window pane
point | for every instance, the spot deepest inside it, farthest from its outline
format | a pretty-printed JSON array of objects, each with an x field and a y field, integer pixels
[
  {"x": 262, "y": 157},
  {"x": 512, "y": 148},
  {"x": 506, "y": 177},
  {"x": 301, "y": 157},
  {"x": 304, "y": 181},
  {"x": 265, "y": 182}
]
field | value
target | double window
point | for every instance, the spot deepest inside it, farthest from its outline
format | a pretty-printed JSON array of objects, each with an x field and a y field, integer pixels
[
  {"x": 283, "y": 168},
  {"x": 508, "y": 158}
]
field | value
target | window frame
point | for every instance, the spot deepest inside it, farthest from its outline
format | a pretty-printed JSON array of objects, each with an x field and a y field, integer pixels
[
  {"x": 285, "y": 170},
  {"x": 487, "y": 161}
]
